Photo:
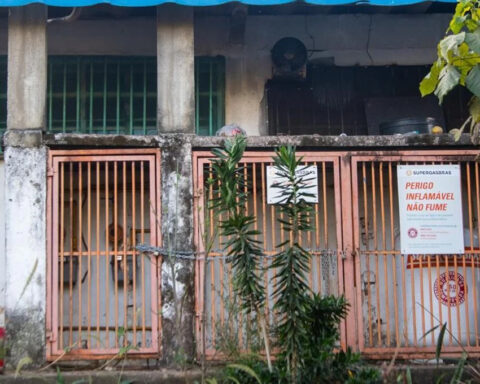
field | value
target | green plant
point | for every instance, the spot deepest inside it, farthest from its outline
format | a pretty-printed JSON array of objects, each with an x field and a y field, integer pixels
[
  {"x": 292, "y": 262},
  {"x": 238, "y": 228},
  {"x": 458, "y": 62}
]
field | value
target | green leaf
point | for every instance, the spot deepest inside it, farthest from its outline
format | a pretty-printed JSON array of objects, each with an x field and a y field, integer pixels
[
  {"x": 438, "y": 349},
  {"x": 408, "y": 376},
  {"x": 473, "y": 41},
  {"x": 450, "y": 43},
  {"x": 472, "y": 81},
  {"x": 474, "y": 108},
  {"x": 430, "y": 81},
  {"x": 457, "y": 23},
  {"x": 457, "y": 376},
  {"x": 23, "y": 361},
  {"x": 456, "y": 133},
  {"x": 245, "y": 368},
  {"x": 449, "y": 78}
]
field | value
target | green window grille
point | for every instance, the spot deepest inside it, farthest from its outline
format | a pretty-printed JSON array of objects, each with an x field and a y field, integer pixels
[
  {"x": 209, "y": 94},
  {"x": 106, "y": 95},
  {"x": 119, "y": 95}
]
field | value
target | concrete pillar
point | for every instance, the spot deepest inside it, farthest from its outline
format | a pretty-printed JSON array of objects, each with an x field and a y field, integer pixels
[
  {"x": 175, "y": 66},
  {"x": 25, "y": 186},
  {"x": 27, "y": 67},
  {"x": 178, "y": 292}
]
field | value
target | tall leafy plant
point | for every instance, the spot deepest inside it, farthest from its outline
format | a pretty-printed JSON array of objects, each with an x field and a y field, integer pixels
[
  {"x": 292, "y": 262},
  {"x": 238, "y": 228},
  {"x": 458, "y": 61}
]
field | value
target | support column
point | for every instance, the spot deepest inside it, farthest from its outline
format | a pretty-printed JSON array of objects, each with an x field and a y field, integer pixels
[
  {"x": 25, "y": 186},
  {"x": 178, "y": 289},
  {"x": 175, "y": 68}
]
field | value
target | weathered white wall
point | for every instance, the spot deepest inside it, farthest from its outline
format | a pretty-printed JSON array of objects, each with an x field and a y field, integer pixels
[
  {"x": 25, "y": 267},
  {"x": 2, "y": 243}
]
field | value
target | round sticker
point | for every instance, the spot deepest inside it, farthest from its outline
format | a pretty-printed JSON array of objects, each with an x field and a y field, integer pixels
[
  {"x": 448, "y": 290},
  {"x": 412, "y": 233}
]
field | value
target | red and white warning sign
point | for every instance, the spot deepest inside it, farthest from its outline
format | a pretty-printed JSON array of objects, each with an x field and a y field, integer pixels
[{"x": 450, "y": 288}]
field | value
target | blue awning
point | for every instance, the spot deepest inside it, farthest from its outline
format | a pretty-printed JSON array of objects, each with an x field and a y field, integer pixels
[{"x": 203, "y": 3}]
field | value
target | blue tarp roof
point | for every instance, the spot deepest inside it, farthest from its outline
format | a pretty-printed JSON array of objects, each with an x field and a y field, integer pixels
[{"x": 200, "y": 3}]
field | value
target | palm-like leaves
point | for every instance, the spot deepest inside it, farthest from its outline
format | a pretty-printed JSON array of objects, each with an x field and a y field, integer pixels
[{"x": 292, "y": 263}]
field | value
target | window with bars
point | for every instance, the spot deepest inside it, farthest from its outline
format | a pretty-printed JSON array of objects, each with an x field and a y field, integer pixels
[
  {"x": 102, "y": 95},
  {"x": 209, "y": 94},
  {"x": 118, "y": 95}
]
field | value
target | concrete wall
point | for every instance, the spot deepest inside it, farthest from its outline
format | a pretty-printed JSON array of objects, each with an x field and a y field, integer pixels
[{"x": 348, "y": 39}]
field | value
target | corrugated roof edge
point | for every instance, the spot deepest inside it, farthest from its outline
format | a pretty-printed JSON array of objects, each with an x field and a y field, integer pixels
[{"x": 204, "y": 3}]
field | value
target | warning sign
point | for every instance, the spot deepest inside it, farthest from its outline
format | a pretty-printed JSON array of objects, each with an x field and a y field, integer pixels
[
  {"x": 309, "y": 186},
  {"x": 430, "y": 208}
]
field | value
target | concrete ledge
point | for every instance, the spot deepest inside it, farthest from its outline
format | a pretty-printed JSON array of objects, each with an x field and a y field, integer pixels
[
  {"x": 23, "y": 138},
  {"x": 301, "y": 141}
]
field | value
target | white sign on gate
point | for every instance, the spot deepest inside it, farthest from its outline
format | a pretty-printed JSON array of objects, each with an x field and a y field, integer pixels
[
  {"x": 307, "y": 172},
  {"x": 430, "y": 209}
]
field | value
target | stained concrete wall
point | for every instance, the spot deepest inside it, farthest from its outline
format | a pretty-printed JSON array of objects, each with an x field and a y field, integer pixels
[
  {"x": 348, "y": 39},
  {"x": 25, "y": 247}
]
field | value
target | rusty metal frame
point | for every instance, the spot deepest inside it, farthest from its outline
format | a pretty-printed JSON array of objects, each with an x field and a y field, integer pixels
[
  {"x": 202, "y": 158},
  {"x": 149, "y": 157},
  {"x": 389, "y": 157}
]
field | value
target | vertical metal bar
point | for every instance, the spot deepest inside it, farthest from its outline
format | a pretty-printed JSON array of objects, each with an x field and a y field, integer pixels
[
  {"x": 212, "y": 266},
  {"x": 144, "y": 118},
  {"x": 62, "y": 245},
  {"x": 394, "y": 259},
  {"x": 325, "y": 209},
  {"x": 131, "y": 100},
  {"x": 80, "y": 252},
  {"x": 107, "y": 256},
  {"x": 422, "y": 301},
  {"x": 450, "y": 333},
  {"x": 367, "y": 256},
  {"x": 72, "y": 250},
  {"x": 115, "y": 245},
  {"x": 97, "y": 239},
  {"x": 77, "y": 98},
  {"x": 474, "y": 280},
  {"x": 142, "y": 237},
  {"x": 134, "y": 257},
  {"x": 89, "y": 251},
  {"x": 124, "y": 258},
  {"x": 430, "y": 297},
  {"x": 459, "y": 326},
  {"x": 470, "y": 227},
  {"x": 117, "y": 115},
  {"x": 105, "y": 89},
  {"x": 317, "y": 243},
  {"x": 64, "y": 98},
  {"x": 375, "y": 244},
  {"x": 264, "y": 237},
  {"x": 385, "y": 257}
]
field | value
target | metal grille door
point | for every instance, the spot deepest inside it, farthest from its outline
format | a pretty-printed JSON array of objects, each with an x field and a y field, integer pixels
[
  {"x": 102, "y": 294},
  {"x": 225, "y": 326},
  {"x": 400, "y": 295}
]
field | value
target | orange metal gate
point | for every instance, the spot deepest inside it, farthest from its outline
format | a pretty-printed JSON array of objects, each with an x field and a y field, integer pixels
[
  {"x": 102, "y": 294},
  {"x": 399, "y": 296},
  {"x": 224, "y": 326},
  {"x": 392, "y": 296}
]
